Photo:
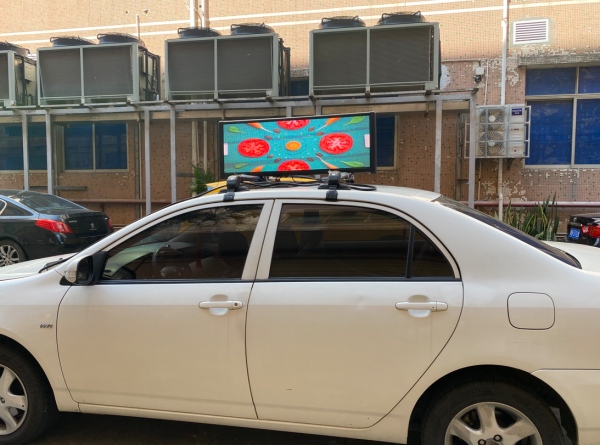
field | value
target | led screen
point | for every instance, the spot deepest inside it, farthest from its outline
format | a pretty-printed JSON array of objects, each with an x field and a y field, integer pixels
[{"x": 279, "y": 147}]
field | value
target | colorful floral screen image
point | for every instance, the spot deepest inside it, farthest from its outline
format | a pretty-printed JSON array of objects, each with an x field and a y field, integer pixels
[{"x": 305, "y": 146}]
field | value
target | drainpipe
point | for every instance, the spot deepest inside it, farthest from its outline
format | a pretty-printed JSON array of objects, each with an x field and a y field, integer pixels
[
  {"x": 205, "y": 14},
  {"x": 137, "y": 25},
  {"x": 503, "y": 98},
  {"x": 193, "y": 14}
]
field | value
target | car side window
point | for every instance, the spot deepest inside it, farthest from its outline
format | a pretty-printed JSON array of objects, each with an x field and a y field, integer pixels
[
  {"x": 12, "y": 210},
  {"x": 206, "y": 244},
  {"x": 326, "y": 241}
]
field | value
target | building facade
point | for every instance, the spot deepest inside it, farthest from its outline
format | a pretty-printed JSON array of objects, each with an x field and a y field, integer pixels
[{"x": 553, "y": 65}]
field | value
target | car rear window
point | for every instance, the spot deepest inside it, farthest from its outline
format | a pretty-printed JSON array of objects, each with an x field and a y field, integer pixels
[
  {"x": 509, "y": 230},
  {"x": 41, "y": 202}
]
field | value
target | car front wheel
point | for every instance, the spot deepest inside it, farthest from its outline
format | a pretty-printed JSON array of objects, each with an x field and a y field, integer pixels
[
  {"x": 10, "y": 253},
  {"x": 490, "y": 413},
  {"x": 27, "y": 406}
]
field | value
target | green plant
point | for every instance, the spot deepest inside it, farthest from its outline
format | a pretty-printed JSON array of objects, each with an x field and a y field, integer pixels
[
  {"x": 201, "y": 178},
  {"x": 541, "y": 223}
]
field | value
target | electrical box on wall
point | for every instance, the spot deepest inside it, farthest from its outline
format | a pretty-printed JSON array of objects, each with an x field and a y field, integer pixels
[
  {"x": 18, "y": 86},
  {"x": 502, "y": 131}
]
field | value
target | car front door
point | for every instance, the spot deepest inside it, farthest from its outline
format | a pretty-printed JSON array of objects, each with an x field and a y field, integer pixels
[
  {"x": 351, "y": 305},
  {"x": 164, "y": 329}
]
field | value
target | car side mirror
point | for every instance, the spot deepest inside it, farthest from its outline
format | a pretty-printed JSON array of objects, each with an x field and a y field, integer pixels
[{"x": 86, "y": 271}]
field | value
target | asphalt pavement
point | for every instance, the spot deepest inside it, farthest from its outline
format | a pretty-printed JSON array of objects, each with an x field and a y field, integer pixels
[{"x": 76, "y": 429}]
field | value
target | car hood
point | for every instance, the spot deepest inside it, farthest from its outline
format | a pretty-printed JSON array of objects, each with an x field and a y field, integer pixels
[
  {"x": 28, "y": 268},
  {"x": 588, "y": 256}
]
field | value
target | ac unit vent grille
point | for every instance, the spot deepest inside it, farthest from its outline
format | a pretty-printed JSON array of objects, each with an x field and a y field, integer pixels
[
  {"x": 531, "y": 31},
  {"x": 191, "y": 66},
  {"x": 340, "y": 58},
  {"x": 60, "y": 73},
  {"x": 107, "y": 71},
  {"x": 4, "y": 91},
  {"x": 245, "y": 64},
  {"x": 401, "y": 55}
]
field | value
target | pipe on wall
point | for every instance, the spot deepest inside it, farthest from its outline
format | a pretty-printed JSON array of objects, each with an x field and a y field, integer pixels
[
  {"x": 194, "y": 14},
  {"x": 205, "y": 14},
  {"x": 503, "y": 97}
]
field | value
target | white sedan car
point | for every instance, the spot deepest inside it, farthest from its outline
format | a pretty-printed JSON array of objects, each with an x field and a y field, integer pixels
[{"x": 394, "y": 315}]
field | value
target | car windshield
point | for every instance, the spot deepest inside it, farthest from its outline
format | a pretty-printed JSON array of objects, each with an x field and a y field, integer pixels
[
  {"x": 41, "y": 202},
  {"x": 509, "y": 230}
]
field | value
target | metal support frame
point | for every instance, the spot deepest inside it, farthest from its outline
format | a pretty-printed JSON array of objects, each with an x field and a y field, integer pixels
[
  {"x": 173, "y": 155},
  {"x": 25, "y": 152},
  {"x": 147, "y": 161},
  {"x": 438, "y": 146},
  {"x": 49, "y": 150},
  {"x": 472, "y": 157}
]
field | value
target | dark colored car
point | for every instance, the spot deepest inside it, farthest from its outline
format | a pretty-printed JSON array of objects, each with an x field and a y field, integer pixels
[
  {"x": 584, "y": 229},
  {"x": 36, "y": 225}
]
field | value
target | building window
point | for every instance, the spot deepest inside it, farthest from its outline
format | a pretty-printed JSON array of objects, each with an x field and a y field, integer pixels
[
  {"x": 565, "y": 116},
  {"x": 95, "y": 147},
  {"x": 11, "y": 147}
]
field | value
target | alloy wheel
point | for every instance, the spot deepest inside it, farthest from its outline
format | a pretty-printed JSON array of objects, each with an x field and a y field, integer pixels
[
  {"x": 8, "y": 255},
  {"x": 492, "y": 424},
  {"x": 13, "y": 401}
]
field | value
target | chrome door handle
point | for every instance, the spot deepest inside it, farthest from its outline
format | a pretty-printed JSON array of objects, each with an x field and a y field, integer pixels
[
  {"x": 433, "y": 306},
  {"x": 221, "y": 305}
]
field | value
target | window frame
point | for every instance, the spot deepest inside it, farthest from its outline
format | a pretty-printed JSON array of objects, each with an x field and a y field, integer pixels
[
  {"x": 396, "y": 131},
  {"x": 250, "y": 267},
  {"x": 94, "y": 169},
  {"x": 21, "y": 171},
  {"x": 558, "y": 97},
  {"x": 264, "y": 265}
]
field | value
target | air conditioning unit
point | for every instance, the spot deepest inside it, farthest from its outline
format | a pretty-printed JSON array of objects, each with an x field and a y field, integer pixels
[
  {"x": 17, "y": 76},
  {"x": 502, "y": 131},
  {"x": 77, "y": 71},
  {"x": 401, "y": 53},
  {"x": 202, "y": 64}
]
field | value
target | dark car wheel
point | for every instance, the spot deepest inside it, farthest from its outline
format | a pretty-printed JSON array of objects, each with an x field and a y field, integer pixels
[
  {"x": 27, "y": 406},
  {"x": 490, "y": 412},
  {"x": 11, "y": 253}
]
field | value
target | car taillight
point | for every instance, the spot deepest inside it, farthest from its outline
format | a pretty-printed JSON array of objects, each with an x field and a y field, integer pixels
[
  {"x": 53, "y": 226},
  {"x": 593, "y": 231},
  {"x": 109, "y": 223}
]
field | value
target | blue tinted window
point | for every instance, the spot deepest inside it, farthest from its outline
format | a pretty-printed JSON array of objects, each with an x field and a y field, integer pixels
[
  {"x": 550, "y": 81},
  {"x": 589, "y": 79},
  {"x": 11, "y": 147},
  {"x": 111, "y": 147},
  {"x": 79, "y": 148},
  {"x": 386, "y": 128},
  {"x": 587, "y": 135},
  {"x": 551, "y": 132},
  {"x": 299, "y": 88}
]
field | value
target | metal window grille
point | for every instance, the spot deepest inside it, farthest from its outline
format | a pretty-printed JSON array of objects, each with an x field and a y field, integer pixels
[{"x": 531, "y": 31}]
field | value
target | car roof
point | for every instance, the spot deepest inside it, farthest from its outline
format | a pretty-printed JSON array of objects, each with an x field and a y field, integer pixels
[{"x": 11, "y": 192}]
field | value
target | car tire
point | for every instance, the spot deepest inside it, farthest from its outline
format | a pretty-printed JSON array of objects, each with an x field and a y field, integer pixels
[
  {"x": 11, "y": 253},
  {"x": 472, "y": 412},
  {"x": 23, "y": 383}
]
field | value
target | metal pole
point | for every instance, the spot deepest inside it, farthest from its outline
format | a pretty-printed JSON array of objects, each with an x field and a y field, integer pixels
[
  {"x": 137, "y": 23},
  {"x": 500, "y": 194},
  {"x": 193, "y": 13},
  {"x": 504, "y": 50},
  {"x": 205, "y": 14},
  {"x": 205, "y": 146},
  {"x": 49, "y": 151},
  {"x": 147, "y": 161},
  {"x": 438, "y": 145},
  {"x": 173, "y": 157},
  {"x": 472, "y": 149},
  {"x": 25, "y": 152}
]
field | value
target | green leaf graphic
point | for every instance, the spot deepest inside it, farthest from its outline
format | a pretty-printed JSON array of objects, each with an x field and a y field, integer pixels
[
  {"x": 355, "y": 120},
  {"x": 234, "y": 130},
  {"x": 240, "y": 165},
  {"x": 353, "y": 164}
]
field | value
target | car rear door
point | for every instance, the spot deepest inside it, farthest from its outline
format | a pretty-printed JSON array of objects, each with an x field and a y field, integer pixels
[{"x": 351, "y": 305}]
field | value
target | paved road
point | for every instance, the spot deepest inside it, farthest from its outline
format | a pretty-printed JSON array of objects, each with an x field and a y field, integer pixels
[{"x": 76, "y": 429}]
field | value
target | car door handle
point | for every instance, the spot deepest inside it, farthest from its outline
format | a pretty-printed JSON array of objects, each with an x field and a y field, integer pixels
[
  {"x": 433, "y": 306},
  {"x": 221, "y": 305}
]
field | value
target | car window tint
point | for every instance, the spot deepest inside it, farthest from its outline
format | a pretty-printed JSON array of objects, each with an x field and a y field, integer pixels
[
  {"x": 207, "y": 244},
  {"x": 428, "y": 260},
  {"x": 12, "y": 210},
  {"x": 339, "y": 241},
  {"x": 2, "y": 205}
]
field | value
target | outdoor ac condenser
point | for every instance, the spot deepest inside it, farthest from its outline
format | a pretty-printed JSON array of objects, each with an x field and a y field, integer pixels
[
  {"x": 359, "y": 59},
  {"x": 502, "y": 131},
  {"x": 76, "y": 71},
  {"x": 202, "y": 64},
  {"x": 17, "y": 77}
]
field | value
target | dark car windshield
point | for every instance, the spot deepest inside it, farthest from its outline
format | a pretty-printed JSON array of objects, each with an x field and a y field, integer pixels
[
  {"x": 41, "y": 202},
  {"x": 509, "y": 230}
]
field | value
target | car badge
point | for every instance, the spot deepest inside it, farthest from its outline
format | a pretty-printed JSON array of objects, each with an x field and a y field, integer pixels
[{"x": 92, "y": 226}]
